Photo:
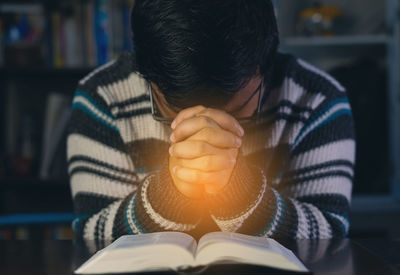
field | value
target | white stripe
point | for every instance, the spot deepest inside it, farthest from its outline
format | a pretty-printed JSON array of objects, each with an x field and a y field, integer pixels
[
  {"x": 86, "y": 78},
  {"x": 289, "y": 111},
  {"x": 157, "y": 218},
  {"x": 280, "y": 133},
  {"x": 137, "y": 128},
  {"x": 89, "y": 229},
  {"x": 321, "y": 73},
  {"x": 132, "y": 107},
  {"x": 342, "y": 220},
  {"x": 277, "y": 133},
  {"x": 335, "y": 185},
  {"x": 82, "y": 145},
  {"x": 233, "y": 225},
  {"x": 129, "y": 214},
  {"x": 296, "y": 94},
  {"x": 93, "y": 184},
  {"x": 105, "y": 95},
  {"x": 132, "y": 86},
  {"x": 324, "y": 228},
  {"x": 302, "y": 226},
  {"x": 339, "y": 168},
  {"x": 99, "y": 168},
  {"x": 109, "y": 224},
  {"x": 278, "y": 215},
  {"x": 337, "y": 150},
  {"x": 91, "y": 107},
  {"x": 322, "y": 119}
]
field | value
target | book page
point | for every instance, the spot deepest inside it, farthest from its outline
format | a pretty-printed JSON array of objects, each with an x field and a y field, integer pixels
[
  {"x": 225, "y": 246},
  {"x": 176, "y": 238},
  {"x": 152, "y": 251}
]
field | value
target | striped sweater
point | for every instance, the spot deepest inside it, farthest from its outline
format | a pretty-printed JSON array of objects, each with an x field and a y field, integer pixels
[{"x": 293, "y": 177}]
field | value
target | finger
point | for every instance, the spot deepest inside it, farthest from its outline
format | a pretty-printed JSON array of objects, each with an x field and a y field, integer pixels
[
  {"x": 190, "y": 126},
  {"x": 217, "y": 137},
  {"x": 185, "y": 114},
  {"x": 222, "y": 118},
  {"x": 194, "y": 176},
  {"x": 190, "y": 149},
  {"x": 204, "y": 128},
  {"x": 208, "y": 163},
  {"x": 225, "y": 120}
]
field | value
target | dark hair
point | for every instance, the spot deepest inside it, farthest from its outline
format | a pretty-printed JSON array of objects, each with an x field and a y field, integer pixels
[{"x": 194, "y": 48}]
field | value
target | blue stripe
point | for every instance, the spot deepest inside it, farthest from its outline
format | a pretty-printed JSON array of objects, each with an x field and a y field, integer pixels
[
  {"x": 90, "y": 99},
  {"x": 268, "y": 228},
  {"x": 330, "y": 118},
  {"x": 78, "y": 219},
  {"x": 135, "y": 220},
  {"x": 79, "y": 105},
  {"x": 341, "y": 223}
]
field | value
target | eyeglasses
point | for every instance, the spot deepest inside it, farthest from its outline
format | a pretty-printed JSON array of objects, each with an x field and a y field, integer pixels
[{"x": 155, "y": 112}]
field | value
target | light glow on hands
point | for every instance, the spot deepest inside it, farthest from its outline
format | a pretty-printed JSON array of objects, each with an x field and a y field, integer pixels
[{"x": 205, "y": 145}]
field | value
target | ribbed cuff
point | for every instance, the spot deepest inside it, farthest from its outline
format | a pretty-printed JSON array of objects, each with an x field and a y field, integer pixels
[
  {"x": 240, "y": 194},
  {"x": 159, "y": 200}
]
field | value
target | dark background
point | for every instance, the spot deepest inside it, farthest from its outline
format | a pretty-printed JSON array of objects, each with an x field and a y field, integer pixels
[{"x": 46, "y": 47}]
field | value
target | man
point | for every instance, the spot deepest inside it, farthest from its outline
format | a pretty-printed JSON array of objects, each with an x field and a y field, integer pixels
[{"x": 205, "y": 127}]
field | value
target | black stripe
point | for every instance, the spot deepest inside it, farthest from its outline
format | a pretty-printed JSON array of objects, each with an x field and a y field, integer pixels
[
  {"x": 83, "y": 124},
  {"x": 81, "y": 226},
  {"x": 131, "y": 101},
  {"x": 97, "y": 231},
  {"x": 134, "y": 113},
  {"x": 81, "y": 169},
  {"x": 119, "y": 71},
  {"x": 304, "y": 180},
  {"x": 119, "y": 227},
  {"x": 85, "y": 203},
  {"x": 288, "y": 227},
  {"x": 338, "y": 231},
  {"x": 100, "y": 163},
  {"x": 287, "y": 103},
  {"x": 311, "y": 81},
  {"x": 268, "y": 121},
  {"x": 298, "y": 172},
  {"x": 311, "y": 221},
  {"x": 328, "y": 202},
  {"x": 341, "y": 128}
]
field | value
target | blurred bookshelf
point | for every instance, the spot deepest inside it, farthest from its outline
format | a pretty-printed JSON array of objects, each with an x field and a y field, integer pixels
[
  {"x": 342, "y": 40},
  {"x": 46, "y": 47},
  {"x": 359, "y": 44},
  {"x": 345, "y": 38}
]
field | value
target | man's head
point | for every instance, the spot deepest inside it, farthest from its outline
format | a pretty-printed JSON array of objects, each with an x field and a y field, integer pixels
[{"x": 194, "y": 51}]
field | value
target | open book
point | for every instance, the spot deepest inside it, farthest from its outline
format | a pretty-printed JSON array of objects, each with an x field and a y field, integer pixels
[{"x": 179, "y": 251}]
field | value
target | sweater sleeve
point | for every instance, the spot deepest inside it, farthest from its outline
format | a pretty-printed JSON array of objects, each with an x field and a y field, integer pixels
[
  {"x": 312, "y": 198},
  {"x": 109, "y": 200}
]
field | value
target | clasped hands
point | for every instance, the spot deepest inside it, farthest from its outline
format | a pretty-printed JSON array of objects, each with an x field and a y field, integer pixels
[{"x": 204, "y": 147}]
